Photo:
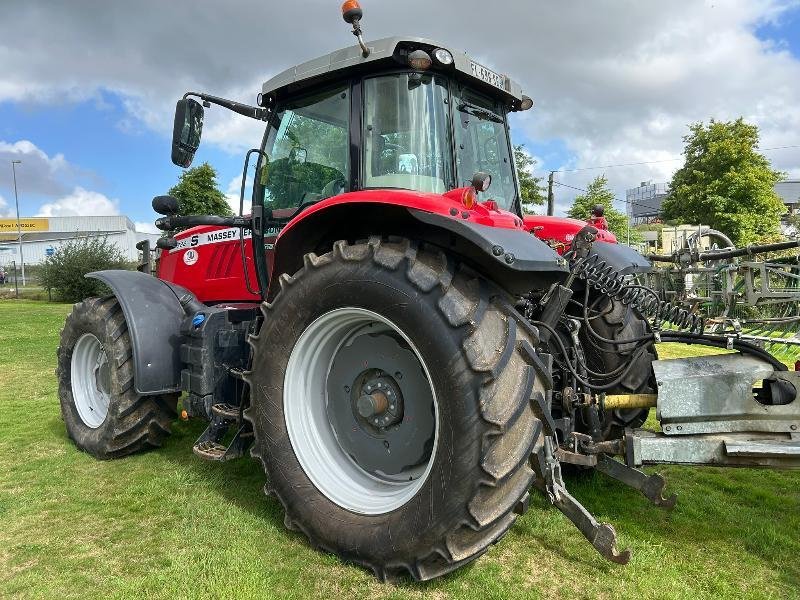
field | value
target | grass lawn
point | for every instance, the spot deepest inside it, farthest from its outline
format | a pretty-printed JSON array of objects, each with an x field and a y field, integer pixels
[{"x": 168, "y": 525}]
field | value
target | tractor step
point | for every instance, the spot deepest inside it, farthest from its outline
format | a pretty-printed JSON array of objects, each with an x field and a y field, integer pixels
[
  {"x": 208, "y": 446},
  {"x": 226, "y": 412},
  {"x": 210, "y": 450}
]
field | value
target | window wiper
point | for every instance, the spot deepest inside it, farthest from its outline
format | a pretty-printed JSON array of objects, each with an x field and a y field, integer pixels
[{"x": 480, "y": 112}]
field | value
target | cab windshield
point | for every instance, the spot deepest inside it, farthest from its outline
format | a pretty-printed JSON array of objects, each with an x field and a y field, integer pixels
[
  {"x": 406, "y": 133},
  {"x": 410, "y": 125},
  {"x": 409, "y": 138}
]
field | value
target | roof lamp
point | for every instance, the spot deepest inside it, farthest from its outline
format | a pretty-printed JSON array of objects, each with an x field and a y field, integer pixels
[
  {"x": 442, "y": 56},
  {"x": 419, "y": 59},
  {"x": 526, "y": 103},
  {"x": 351, "y": 11}
]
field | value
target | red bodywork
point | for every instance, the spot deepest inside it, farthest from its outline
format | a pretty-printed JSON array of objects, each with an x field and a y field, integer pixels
[
  {"x": 558, "y": 232},
  {"x": 208, "y": 261}
]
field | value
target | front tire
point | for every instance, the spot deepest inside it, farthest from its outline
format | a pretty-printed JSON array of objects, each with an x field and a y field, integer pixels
[
  {"x": 104, "y": 415},
  {"x": 476, "y": 378}
]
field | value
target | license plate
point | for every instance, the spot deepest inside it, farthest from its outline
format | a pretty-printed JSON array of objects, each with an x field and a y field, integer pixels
[{"x": 488, "y": 75}]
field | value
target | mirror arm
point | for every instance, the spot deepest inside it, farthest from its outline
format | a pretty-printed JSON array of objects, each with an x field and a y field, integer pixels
[
  {"x": 254, "y": 112},
  {"x": 175, "y": 221}
]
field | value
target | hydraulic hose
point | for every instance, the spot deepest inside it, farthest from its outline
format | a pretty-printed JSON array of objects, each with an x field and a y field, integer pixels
[
  {"x": 723, "y": 342},
  {"x": 607, "y": 279}
]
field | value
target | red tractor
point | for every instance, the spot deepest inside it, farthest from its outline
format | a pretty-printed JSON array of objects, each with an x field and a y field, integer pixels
[{"x": 405, "y": 353}]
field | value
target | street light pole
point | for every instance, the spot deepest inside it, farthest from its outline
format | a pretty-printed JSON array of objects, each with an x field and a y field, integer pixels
[{"x": 14, "y": 164}]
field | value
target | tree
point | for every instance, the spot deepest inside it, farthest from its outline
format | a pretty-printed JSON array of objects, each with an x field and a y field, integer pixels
[
  {"x": 531, "y": 191},
  {"x": 726, "y": 183},
  {"x": 597, "y": 192},
  {"x": 199, "y": 194},
  {"x": 64, "y": 272}
]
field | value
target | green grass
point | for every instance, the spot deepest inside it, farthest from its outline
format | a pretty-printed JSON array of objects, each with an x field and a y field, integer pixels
[{"x": 168, "y": 525}]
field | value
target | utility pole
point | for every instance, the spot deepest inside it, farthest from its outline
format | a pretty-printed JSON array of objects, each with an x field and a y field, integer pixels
[
  {"x": 629, "y": 211},
  {"x": 14, "y": 164},
  {"x": 551, "y": 201}
]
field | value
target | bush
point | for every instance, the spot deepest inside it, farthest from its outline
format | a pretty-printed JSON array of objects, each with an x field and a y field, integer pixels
[{"x": 64, "y": 272}]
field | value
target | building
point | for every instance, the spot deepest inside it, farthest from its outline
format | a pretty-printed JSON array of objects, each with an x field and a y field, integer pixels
[
  {"x": 41, "y": 236},
  {"x": 789, "y": 191},
  {"x": 644, "y": 202}
]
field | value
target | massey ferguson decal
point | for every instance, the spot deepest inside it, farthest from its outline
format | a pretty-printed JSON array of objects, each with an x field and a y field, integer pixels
[{"x": 218, "y": 236}]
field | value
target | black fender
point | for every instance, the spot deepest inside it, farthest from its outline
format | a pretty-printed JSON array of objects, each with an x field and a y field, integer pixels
[
  {"x": 624, "y": 259},
  {"x": 154, "y": 313},
  {"x": 513, "y": 258},
  {"x": 513, "y": 249}
]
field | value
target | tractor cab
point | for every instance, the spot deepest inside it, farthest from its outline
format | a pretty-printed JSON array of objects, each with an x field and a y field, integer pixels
[
  {"x": 411, "y": 115},
  {"x": 401, "y": 121},
  {"x": 401, "y": 113}
]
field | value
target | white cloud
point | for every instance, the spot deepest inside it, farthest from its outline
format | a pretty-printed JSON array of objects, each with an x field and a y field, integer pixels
[
  {"x": 80, "y": 202},
  {"x": 38, "y": 173},
  {"x": 233, "y": 191},
  {"x": 5, "y": 210},
  {"x": 144, "y": 227}
]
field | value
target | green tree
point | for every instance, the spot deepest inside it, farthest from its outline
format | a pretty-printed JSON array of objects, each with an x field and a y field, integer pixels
[
  {"x": 597, "y": 192},
  {"x": 199, "y": 193},
  {"x": 64, "y": 272},
  {"x": 532, "y": 192},
  {"x": 726, "y": 183}
]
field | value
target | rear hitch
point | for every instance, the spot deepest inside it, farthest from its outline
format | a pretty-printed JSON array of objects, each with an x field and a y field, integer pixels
[
  {"x": 600, "y": 535},
  {"x": 651, "y": 486}
]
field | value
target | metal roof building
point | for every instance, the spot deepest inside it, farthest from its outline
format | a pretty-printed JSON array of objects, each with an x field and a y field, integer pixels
[
  {"x": 41, "y": 236},
  {"x": 789, "y": 191}
]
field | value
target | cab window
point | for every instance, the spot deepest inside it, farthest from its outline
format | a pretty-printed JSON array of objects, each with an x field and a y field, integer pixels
[
  {"x": 406, "y": 133},
  {"x": 482, "y": 145},
  {"x": 308, "y": 150}
]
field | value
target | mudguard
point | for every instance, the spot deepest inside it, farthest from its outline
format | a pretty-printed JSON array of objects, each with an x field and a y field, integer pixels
[
  {"x": 513, "y": 249},
  {"x": 154, "y": 314},
  {"x": 623, "y": 258}
]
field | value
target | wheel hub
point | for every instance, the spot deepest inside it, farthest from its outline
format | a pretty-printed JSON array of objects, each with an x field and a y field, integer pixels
[
  {"x": 91, "y": 380},
  {"x": 336, "y": 413},
  {"x": 380, "y": 404},
  {"x": 382, "y": 433}
]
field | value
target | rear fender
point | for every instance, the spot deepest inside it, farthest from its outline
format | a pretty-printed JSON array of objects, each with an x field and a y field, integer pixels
[
  {"x": 624, "y": 259},
  {"x": 153, "y": 313},
  {"x": 510, "y": 256}
]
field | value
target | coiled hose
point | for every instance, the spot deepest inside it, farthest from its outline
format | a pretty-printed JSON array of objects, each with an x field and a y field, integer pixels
[{"x": 607, "y": 280}]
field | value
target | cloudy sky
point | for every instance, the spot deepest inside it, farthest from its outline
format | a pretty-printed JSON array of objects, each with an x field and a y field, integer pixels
[{"x": 88, "y": 88}]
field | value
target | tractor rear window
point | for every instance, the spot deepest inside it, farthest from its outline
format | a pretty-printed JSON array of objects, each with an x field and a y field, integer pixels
[
  {"x": 406, "y": 137},
  {"x": 308, "y": 150}
]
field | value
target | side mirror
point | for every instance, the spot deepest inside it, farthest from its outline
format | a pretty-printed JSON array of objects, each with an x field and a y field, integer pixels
[{"x": 187, "y": 131}]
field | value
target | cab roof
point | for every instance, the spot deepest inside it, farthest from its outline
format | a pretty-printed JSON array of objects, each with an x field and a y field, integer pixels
[{"x": 383, "y": 53}]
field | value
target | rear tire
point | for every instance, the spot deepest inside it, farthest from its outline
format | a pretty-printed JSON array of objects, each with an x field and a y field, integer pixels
[
  {"x": 618, "y": 321},
  {"x": 475, "y": 352},
  {"x": 104, "y": 415}
]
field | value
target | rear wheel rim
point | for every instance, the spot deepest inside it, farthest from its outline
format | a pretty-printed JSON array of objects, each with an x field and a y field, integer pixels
[
  {"x": 90, "y": 376},
  {"x": 316, "y": 437}
]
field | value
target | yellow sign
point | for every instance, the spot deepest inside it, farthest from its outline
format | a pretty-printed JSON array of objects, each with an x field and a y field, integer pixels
[{"x": 25, "y": 225}]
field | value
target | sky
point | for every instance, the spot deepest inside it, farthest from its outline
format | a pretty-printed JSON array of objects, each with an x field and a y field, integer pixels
[{"x": 88, "y": 88}]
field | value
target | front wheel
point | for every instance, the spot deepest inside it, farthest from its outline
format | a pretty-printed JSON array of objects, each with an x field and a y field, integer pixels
[
  {"x": 391, "y": 407},
  {"x": 102, "y": 411}
]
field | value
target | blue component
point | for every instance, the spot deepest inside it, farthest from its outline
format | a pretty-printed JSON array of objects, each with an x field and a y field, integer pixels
[{"x": 198, "y": 319}]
